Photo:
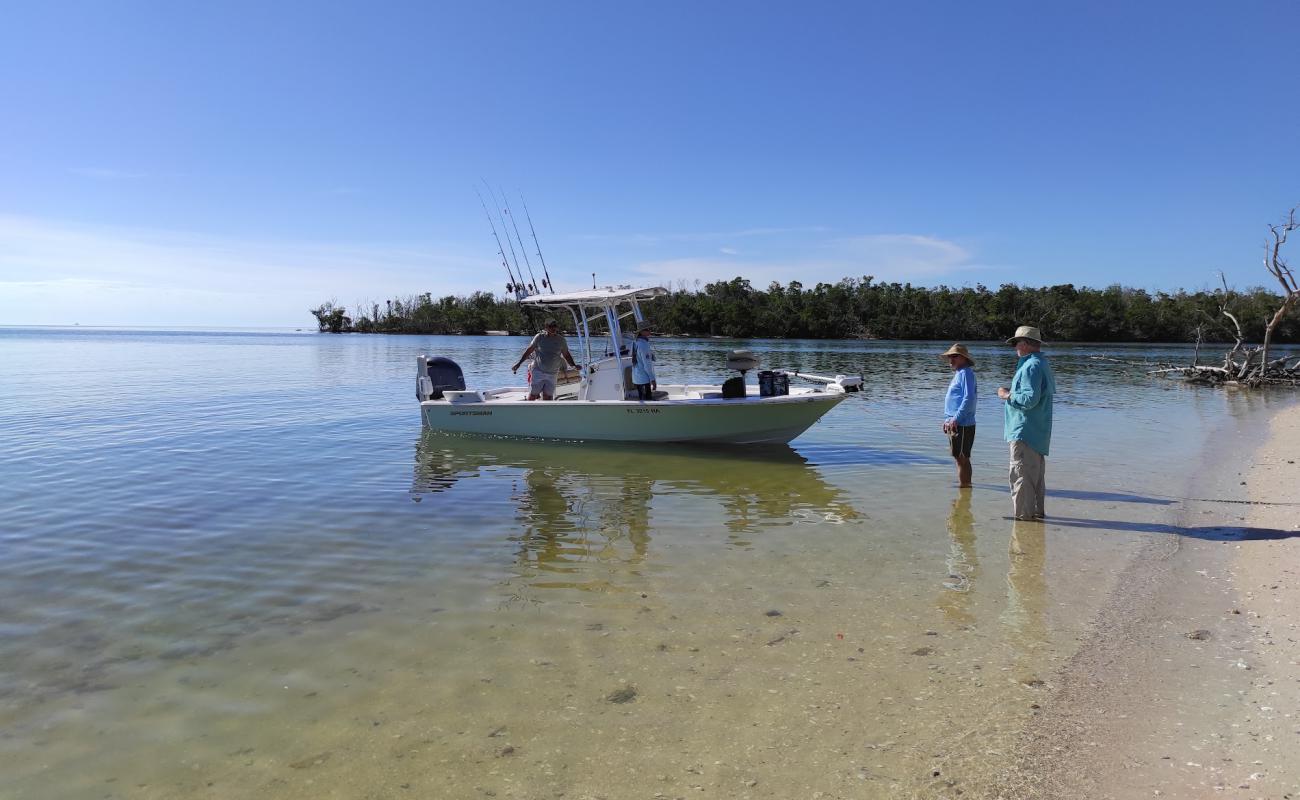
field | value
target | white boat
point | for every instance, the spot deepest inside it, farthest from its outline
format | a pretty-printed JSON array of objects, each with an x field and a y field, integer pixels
[{"x": 598, "y": 402}]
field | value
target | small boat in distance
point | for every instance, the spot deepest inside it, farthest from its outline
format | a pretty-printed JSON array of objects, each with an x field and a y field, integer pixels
[{"x": 599, "y": 402}]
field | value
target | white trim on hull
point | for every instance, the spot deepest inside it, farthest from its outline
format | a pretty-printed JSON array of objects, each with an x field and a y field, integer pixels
[{"x": 748, "y": 420}]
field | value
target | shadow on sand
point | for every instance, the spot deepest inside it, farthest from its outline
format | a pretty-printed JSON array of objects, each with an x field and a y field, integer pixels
[
  {"x": 1084, "y": 494},
  {"x": 1211, "y": 533}
]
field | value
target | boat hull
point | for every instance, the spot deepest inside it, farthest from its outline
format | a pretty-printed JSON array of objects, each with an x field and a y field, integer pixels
[{"x": 748, "y": 420}]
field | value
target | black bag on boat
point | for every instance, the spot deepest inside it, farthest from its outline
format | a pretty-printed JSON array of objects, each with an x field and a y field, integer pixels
[{"x": 733, "y": 387}]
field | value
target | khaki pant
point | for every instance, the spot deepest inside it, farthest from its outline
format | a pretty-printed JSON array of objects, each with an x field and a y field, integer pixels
[{"x": 1028, "y": 488}]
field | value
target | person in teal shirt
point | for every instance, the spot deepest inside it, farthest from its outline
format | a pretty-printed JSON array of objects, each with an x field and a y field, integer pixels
[
  {"x": 959, "y": 410},
  {"x": 1027, "y": 423}
]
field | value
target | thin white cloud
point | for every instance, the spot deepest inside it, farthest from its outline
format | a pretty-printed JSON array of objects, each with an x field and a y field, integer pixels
[
  {"x": 693, "y": 272},
  {"x": 900, "y": 256},
  {"x": 54, "y": 272},
  {"x": 886, "y": 257},
  {"x": 105, "y": 173},
  {"x": 645, "y": 239}
]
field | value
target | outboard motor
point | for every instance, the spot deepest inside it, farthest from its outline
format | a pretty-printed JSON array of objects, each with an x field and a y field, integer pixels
[{"x": 437, "y": 375}]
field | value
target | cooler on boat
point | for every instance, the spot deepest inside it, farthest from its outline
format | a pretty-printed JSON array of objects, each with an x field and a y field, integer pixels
[{"x": 773, "y": 383}]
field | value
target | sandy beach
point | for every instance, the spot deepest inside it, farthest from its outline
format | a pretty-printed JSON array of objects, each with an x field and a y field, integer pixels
[{"x": 1190, "y": 684}]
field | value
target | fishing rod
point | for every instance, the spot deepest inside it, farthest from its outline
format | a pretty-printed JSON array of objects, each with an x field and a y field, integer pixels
[
  {"x": 522, "y": 249},
  {"x": 513, "y": 256},
  {"x": 515, "y": 287},
  {"x": 547, "y": 281}
]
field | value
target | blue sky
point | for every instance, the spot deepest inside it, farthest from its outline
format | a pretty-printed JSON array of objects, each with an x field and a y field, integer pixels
[{"x": 236, "y": 163}]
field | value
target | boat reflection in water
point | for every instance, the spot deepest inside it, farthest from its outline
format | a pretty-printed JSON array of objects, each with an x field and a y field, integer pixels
[{"x": 585, "y": 513}]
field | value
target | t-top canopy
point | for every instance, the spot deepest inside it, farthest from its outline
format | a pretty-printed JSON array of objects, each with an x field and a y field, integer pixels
[{"x": 609, "y": 295}]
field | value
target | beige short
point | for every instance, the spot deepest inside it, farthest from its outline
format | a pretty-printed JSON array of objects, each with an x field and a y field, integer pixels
[{"x": 543, "y": 383}]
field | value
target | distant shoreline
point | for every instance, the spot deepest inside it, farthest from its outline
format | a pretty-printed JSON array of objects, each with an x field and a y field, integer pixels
[
  {"x": 1210, "y": 350},
  {"x": 860, "y": 308}
]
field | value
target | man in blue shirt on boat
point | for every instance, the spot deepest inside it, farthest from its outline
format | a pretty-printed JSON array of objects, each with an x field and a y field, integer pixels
[
  {"x": 1027, "y": 423},
  {"x": 959, "y": 410},
  {"x": 643, "y": 364}
]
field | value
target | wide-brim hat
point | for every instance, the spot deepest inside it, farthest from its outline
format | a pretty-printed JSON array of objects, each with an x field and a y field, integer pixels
[
  {"x": 1026, "y": 332},
  {"x": 644, "y": 326},
  {"x": 959, "y": 350}
]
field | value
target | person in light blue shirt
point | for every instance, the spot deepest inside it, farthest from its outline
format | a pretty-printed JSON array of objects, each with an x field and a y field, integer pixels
[
  {"x": 959, "y": 410},
  {"x": 643, "y": 364},
  {"x": 1027, "y": 423}
]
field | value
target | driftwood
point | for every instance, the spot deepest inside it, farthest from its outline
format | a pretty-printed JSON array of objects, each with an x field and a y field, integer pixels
[
  {"x": 1242, "y": 366},
  {"x": 1251, "y": 366},
  {"x": 1231, "y": 376},
  {"x": 1125, "y": 362}
]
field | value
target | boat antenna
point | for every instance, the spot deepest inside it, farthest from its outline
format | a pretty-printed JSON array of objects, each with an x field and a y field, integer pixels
[
  {"x": 531, "y": 276},
  {"x": 514, "y": 287},
  {"x": 545, "y": 272}
]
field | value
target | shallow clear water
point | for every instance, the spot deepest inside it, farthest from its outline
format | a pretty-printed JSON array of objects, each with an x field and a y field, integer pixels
[{"x": 233, "y": 565}]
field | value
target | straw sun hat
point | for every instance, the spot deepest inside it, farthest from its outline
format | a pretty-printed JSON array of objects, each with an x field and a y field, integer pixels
[
  {"x": 959, "y": 350},
  {"x": 1026, "y": 332}
]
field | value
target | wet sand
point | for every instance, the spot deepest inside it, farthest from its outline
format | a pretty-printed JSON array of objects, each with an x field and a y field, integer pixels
[{"x": 1190, "y": 684}]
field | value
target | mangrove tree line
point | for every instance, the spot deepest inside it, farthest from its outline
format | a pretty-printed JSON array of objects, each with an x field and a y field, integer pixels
[{"x": 863, "y": 308}]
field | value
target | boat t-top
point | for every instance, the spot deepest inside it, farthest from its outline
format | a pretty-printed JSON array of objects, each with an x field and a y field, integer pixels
[{"x": 599, "y": 402}]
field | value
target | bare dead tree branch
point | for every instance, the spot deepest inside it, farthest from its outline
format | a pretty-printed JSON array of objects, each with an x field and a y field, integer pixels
[
  {"x": 1254, "y": 368},
  {"x": 1278, "y": 268}
]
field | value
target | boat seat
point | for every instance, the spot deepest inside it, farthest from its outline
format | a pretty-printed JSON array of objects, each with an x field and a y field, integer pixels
[
  {"x": 568, "y": 375},
  {"x": 657, "y": 394}
]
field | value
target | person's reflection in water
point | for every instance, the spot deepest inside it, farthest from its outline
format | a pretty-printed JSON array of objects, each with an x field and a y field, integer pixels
[
  {"x": 579, "y": 526},
  {"x": 627, "y": 517},
  {"x": 547, "y": 540},
  {"x": 1027, "y": 586},
  {"x": 963, "y": 564}
]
